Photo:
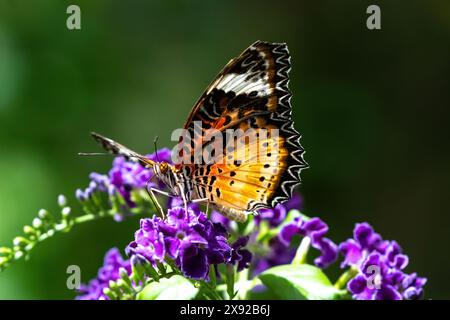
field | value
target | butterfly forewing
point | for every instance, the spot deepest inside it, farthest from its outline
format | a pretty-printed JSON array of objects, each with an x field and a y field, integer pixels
[{"x": 251, "y": 95}]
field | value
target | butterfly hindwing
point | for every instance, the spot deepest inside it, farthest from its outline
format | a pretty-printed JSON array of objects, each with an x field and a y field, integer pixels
[{"x": 247, "y": 178}]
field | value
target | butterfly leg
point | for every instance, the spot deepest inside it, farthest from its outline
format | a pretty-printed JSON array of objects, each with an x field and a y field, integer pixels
[
  {"x": 202, "y": 200},
  {"x": 151, "y": 192},
  {"x": 152, "y": 196},
  {"x": 184, "y": 198}
]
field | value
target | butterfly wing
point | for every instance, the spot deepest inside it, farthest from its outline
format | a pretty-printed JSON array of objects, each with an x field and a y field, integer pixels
[
  {"x": 114, "y": 147},
  {"x": 251, "y": 93}
]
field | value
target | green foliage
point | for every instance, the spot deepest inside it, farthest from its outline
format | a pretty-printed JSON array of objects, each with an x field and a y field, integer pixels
[
  {"x": 173, "y": 288},
  {"x": 304, "y": 281},
  {"x": 231, "y": 272},
  {"x": 46, "y": 225}
]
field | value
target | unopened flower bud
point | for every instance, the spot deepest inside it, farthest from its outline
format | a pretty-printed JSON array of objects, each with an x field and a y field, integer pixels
[
  {"x": 4, "y": 251},
  {"x": 3, "y": 261},
  {"x": 113, "y": 285},
  {"x": 37, "y": 223},
  {"x": 18, "y": 255},
  {"x": 110, "y": 294},
  {"x": 20, "y": 241},
  {"x": 123, "y": 273},
  {"x": 62, "y": 201},
  {"x": 79, "y": 194},
  {"x": 43, "y": 214},
  {"x": 30, "y": 231},
  {"x": 65, "y": 212}
]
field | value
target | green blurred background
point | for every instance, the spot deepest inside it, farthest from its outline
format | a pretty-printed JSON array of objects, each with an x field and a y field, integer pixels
[{"x": 373, "y": 108}]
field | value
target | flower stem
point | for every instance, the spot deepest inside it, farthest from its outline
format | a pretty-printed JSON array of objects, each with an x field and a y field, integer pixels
[
  {"x": 212, "y": 292},
  {"x": 40, "y": 235},
  {"x": 302, "y": 251},
  {"x": 230, "y": 276},
  {"x": 341, "y": 283}
]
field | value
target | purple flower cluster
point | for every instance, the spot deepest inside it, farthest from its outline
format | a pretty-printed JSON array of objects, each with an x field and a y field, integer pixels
[
  {"x": 315, "y": 229},
  {"x": 123, "y": 177},
  {"x": 380, "y": 264},
  {"x": 113, "y": 262},
  {"x": 276, "y": 253},
  {"x": 192, "y": 241}
]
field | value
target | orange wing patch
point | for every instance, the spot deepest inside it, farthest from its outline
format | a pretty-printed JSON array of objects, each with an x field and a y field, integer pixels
[{"x": 249, "y": 175}]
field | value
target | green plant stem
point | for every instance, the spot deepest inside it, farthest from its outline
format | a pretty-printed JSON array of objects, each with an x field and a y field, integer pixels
[
  {"x": 341, "y": 283},
  {"x": 244, "y": 285},
  {"x": 61, "y": 227},
  {"x": 247, "y": 284},
  {"x": 302, "y": 251},
  {"x": 64, "y": 226},
  {"x": 211, "y": 291}
]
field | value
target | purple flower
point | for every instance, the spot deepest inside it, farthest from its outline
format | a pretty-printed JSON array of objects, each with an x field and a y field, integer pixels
[
  {"x": 175, "y": 202},
  {"x": 240, "y": 255},
  {"x": 413, "y": 286},
  {"x": 380, "y": 264},
  {"x": 275, "y": 252},
  {"x": 217, "y": 217},
  {"x": 294, "y": 203},
  {"x": 123, "y": 177},
  {"x": 276, "y": 216},
  {"x": 149, "y": 241},
  {"x": 315, "y": 229},
  {"x": 126, "y": 175},
  {"x": 110, "y": 271},
  {"x": 193, "y": 243},
  {"x": 278, "y": 254}
]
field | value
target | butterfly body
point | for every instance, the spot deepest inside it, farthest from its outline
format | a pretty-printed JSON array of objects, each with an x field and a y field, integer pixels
[{"x": 250, "y": 96}]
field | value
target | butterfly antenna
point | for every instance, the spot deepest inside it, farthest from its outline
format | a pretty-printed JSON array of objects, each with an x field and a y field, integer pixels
[
  {"x": 93, "y": 154},
  {"x": 155, "y": 141}
]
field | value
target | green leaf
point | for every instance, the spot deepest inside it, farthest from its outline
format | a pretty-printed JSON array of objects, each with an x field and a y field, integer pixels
[
  {"x": 292, "y": 282},
  {"x": 173, "y": 288}
]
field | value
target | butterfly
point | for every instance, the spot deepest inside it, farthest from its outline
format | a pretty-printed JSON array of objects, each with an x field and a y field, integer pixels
[{"x": 251, "y": 94}]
